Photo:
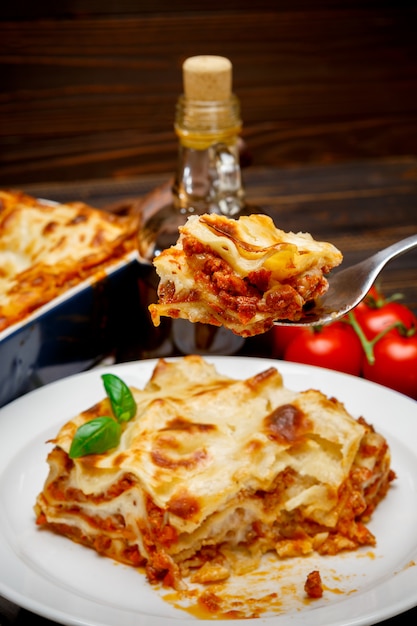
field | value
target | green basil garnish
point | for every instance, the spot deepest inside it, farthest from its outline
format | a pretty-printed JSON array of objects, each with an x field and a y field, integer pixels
[
  {"x": 95, "y": 437},
  {"x": 121, "y": 399},
  {"x": 103, "y": 433}
]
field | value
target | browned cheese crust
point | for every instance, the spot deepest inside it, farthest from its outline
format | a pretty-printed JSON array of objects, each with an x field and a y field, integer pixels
[{"x": 46, "y": 248}]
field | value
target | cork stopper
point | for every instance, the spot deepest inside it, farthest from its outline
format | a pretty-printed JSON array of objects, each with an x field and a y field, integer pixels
[{"x": 207, "y": 78}]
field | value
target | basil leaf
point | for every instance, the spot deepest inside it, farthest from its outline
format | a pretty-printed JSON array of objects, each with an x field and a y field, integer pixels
[
  {"x": 95, "y": 437},
  {"x": 121, "y": 399}
]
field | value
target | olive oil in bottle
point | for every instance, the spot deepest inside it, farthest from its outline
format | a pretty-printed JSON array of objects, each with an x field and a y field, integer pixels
[{"x": 207, "y": 180}]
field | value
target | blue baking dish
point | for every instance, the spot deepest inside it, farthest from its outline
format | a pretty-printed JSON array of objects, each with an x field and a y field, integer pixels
[{"x": 97, "y": 318}]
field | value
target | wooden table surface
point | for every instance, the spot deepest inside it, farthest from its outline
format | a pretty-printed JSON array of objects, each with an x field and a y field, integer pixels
[
  {"x": 360, "y": 207},
  {"x": 88, "y": 89}
]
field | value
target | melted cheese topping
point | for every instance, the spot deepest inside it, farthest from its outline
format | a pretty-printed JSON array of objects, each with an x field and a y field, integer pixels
[
  {"x": 187, "y": 429},
  {"x": 46, "y": 248},
  {"x": 208, "y": 462},
  {"x": 253, "y": 241},
  {"x": 242, "y": 274}
]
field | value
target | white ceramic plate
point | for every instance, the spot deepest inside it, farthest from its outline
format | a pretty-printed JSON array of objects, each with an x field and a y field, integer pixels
[{"x": 62, "y": 581}]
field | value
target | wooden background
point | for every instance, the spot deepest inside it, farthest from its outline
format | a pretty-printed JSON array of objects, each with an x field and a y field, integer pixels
[{"x": 88, "y": 88}]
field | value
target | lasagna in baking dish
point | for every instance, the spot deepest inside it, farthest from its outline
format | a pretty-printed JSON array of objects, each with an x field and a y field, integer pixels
[
  {"x": 242, "y": 274},
  {"x": 211, "y": 473},
  {"x": 47, "y": 248}
]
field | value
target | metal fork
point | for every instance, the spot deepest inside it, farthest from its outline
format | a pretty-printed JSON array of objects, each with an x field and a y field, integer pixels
[{"x": 349, "y": 286}]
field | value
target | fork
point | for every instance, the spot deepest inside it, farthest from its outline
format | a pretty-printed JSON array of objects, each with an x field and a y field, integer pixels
[{"x": 349, "y": 286}]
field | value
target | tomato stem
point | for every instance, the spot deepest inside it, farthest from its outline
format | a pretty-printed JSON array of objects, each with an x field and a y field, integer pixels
[
  {"x": 379, "y": 300},
  {"x": 368, "y": 345}
]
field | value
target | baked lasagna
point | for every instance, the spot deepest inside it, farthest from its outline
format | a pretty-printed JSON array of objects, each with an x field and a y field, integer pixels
[
  {"x": 212, "y": 472},
  {"x": 46, "y": 248},
  {"x": 242, "y": 274}
]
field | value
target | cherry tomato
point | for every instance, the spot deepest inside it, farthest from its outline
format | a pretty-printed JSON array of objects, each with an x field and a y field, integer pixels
[
  {"x": 282, "y": 336},
  {"x": 395, "y": 363},
  {"x": 335, "y": 346},
  {"x": 375, "y": 319}
]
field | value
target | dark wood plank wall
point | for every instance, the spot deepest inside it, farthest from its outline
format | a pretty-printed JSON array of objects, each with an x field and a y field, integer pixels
[{"x": 88, "y": 88}]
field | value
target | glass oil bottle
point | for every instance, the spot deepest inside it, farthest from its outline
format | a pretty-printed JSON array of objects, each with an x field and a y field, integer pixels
[{"x": 207, "y": 180}]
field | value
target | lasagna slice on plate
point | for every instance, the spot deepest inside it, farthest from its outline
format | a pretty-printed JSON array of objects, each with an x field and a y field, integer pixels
[
  {"x": 211, "y": 473},
  {"x": 242, "y": 274}
]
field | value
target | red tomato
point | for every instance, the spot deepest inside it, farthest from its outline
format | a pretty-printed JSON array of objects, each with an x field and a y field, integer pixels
[
  {"x": 282, "y": 336},
  {"x": 335, "y": 346},
  {"x": 395, "y": 363},
  {"x": 374, "y": 320}
]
